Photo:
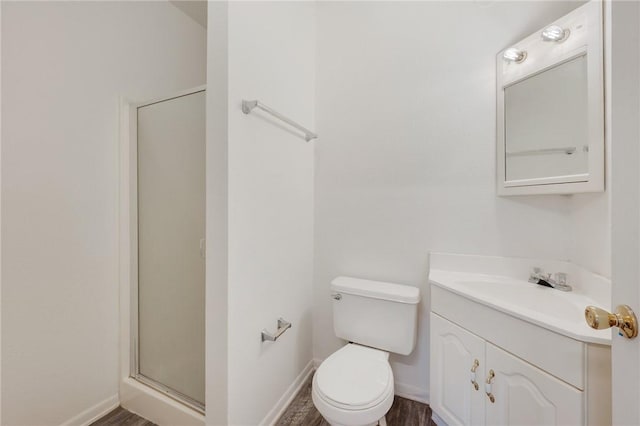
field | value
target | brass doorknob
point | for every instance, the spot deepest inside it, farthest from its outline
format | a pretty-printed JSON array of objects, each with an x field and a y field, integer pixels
[{"x": 624, "y": 319}]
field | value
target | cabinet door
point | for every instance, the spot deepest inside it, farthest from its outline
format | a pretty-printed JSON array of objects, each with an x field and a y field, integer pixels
[
  {"x": 526, "y": 395},
  {"x": 453, "y": 352}
]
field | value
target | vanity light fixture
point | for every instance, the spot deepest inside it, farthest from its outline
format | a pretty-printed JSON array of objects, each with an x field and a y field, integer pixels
[
  {"x": 514, "y": 55},
  {"x": 555, "y": 33}
]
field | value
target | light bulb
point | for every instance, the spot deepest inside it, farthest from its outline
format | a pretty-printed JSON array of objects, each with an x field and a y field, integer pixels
[
  {"x": 555, "y": 33},
  {"x": 514, "y": 55}
]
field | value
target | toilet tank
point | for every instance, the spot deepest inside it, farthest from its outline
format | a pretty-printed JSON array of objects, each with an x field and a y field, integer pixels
[{"x": 377, "y": 314}]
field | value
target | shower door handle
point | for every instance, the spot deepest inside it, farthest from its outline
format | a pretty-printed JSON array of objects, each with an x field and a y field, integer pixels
[{"x": 203, "y": 248}]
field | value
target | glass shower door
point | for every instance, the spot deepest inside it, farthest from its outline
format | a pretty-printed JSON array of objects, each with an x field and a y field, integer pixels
[{"x": 171, "y": 230}]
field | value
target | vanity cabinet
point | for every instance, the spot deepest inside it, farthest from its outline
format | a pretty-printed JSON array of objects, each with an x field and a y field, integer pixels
[
  {"x": 526, "y": 395},
  {"x": 519, "y": 393},
  {"x": 523, "y": 393},
  {"x": 455, "y": 354},
  {"x": 545, "y": 364}
]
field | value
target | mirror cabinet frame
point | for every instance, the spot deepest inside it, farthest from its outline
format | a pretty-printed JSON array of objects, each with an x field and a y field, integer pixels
[{"x": 585, "y": 25}]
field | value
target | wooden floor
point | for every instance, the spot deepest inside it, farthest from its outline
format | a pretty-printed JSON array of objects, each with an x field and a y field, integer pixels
[
  {"x": 122, "y": 417},
  {"x": 404, "y": 412},
  {"x": 301, "y": 412}
]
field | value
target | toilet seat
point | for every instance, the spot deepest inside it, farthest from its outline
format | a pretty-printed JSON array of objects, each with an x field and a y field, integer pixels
[
  {"x": 354, "y": 377},
  {"x": 354, "y": 386}
]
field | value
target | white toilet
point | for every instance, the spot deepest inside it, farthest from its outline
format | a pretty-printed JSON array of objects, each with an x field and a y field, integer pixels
[{"x": 354, "y": 385}]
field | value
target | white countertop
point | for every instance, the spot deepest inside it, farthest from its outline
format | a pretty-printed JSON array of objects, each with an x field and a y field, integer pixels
[{"x": 558, "y": 311}]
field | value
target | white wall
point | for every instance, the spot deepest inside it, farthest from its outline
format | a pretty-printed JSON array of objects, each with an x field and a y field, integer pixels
[
  {"x": 0, "y": 213},
  {"x": 64, "y": 66},
  {"x": 590, "y": 228},
  {"x": 406, "y": 160},
  {"x": 270, "y": 195},
  {"x": 216, "y": 305}
]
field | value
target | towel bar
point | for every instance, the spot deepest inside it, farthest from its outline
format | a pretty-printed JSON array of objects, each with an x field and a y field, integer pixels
[{"x": 248, "y": 106}]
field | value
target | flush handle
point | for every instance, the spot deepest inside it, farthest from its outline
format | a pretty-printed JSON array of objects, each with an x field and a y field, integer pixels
[
  {"x": 623, "y": 318},
  {"x": 474, "y": 367},
  {"x": 487, "y": 386}
]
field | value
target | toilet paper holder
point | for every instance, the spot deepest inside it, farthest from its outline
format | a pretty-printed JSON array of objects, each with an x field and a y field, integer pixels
[{"x": 283, "y": 326}]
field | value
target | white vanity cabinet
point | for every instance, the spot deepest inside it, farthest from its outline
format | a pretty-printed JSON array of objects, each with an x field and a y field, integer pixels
[
  {"x": 454, "y": 352},
  {"x": 549, "y": 367},
  {"x": 522, "y": 393},
  {"x": 541, "y": 377},
  {"x": 526, "y": 395}
]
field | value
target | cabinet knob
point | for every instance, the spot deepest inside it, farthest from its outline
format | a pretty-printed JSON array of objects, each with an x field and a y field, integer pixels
[
  {"x": 487, "y": 386},
  {"x": 474, "y": 367},
  {"x": 623, "y": 318}
]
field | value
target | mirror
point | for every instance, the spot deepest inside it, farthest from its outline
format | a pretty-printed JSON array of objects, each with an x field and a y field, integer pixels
[
  {"x": 550, "y": 110},
  {"x": 546, "y": 130}
]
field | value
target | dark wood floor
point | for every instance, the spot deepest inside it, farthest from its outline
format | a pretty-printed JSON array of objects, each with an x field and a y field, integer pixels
[
  {"x": 122, "y": 417},
  {"x": 301, "y": 412},
  {"x": 404, "y": 412}
]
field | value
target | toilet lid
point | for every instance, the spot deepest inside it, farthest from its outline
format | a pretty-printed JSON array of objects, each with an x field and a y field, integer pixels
[{"x": 355, "y": 376}]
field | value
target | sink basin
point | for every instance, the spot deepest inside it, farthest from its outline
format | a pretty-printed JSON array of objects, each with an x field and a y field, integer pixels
[{"x": 561, "y": 312}]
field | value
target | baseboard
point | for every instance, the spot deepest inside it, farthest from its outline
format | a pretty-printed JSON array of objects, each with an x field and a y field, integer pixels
[
  {"x": 278, "y": 410},
  {"x": 411, "y": 392},
  {"x": 437, "y": 420},
  {"x": 316, "y": 363},
  {"x": 92, "y": 414}
]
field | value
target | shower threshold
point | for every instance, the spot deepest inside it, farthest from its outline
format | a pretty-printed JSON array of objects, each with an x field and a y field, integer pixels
[{"x": 171, "y": 393}]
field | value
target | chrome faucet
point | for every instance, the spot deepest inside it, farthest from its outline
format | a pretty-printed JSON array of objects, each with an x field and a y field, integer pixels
[{"x": 559, "y": 280}]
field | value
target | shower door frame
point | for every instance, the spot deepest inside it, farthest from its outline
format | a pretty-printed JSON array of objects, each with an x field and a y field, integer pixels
[{"x": 138, "y": 392}]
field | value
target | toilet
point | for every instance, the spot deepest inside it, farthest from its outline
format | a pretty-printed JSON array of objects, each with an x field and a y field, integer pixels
[{"x": 354, "y": 385}]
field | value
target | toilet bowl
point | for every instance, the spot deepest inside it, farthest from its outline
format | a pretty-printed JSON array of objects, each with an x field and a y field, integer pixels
[{"x": 354, "y": 385}]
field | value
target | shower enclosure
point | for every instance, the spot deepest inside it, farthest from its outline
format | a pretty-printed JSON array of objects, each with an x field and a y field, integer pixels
[{"x": 166, "y": 229}]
